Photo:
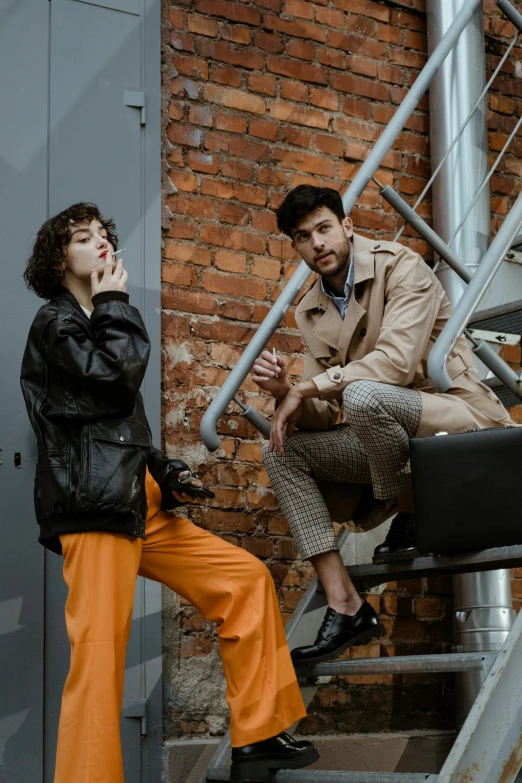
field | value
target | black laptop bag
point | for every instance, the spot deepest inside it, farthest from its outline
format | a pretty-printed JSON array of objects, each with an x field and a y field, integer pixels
[{"x": 467, "y": 490}]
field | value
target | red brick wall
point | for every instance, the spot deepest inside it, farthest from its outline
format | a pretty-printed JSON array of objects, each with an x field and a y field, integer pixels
[{"x": 261, "y": 96}]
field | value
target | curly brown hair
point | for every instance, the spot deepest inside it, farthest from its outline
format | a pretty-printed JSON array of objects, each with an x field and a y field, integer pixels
[{"x": 45, "y": 265}]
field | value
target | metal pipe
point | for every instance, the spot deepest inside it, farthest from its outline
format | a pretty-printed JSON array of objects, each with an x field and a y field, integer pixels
[
  {"x": 471, "y": 297},
  {"x": 208, "y": 426},
  {"x": 455, "y": 90},
  {"x": 511, "y": 13}
]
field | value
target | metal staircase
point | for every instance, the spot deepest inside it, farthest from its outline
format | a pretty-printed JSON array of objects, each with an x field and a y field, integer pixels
[{"x": 488, "y": 748}]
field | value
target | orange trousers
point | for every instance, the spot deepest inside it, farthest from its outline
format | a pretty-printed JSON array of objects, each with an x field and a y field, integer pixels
[{"x": 227, "y": 585}]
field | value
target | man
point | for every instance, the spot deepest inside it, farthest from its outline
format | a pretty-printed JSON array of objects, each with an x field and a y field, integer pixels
[
  {"x": 102, "y": 493},
  {"x": 368, "y": 323}
]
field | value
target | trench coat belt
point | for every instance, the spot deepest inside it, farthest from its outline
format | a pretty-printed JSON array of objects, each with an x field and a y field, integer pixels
[{"x": 458, "y": 364}]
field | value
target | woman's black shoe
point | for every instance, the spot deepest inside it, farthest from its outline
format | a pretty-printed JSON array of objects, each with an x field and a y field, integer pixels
[
  {"x": 400, "y": 543},
  {"x": 256, "y": 762},
  {"x": 337, "y": 633}
]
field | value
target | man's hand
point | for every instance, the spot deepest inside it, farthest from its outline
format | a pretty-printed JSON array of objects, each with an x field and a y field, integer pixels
[
  {"x": 111, "y": 280},
  {"x": 271, "y": 374},
  {"x": 287, "y": 414},
  {"x": 185, "y": 497}
]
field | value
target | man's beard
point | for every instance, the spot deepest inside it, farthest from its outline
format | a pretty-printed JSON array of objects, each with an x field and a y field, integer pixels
[{"x": 343, "y": 255}]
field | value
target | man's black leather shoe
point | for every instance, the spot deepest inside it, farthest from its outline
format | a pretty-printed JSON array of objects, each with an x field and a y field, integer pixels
[
  {"x": 256, "y": 762},
  {"x": 400, "y": 543},
  {"x": 337, "y": 633}
]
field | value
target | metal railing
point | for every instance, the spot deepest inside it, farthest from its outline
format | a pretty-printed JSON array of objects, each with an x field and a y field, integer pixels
[{"x": 227, "y": 393}]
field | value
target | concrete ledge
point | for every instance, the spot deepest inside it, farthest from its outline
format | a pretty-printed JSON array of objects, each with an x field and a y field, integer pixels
[{"x": 418, "y": 751}]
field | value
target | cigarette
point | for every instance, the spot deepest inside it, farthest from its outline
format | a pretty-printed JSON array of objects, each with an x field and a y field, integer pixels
[
  {"x": 275, "y": 362},
  {"x": 120, "y": 250}
]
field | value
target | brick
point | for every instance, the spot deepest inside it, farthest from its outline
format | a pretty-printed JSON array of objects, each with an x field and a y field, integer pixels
[
  {"x": 235, "y": 99},
  {"x": 364, "y": 47},
  {"x": 183, "y": 87},
  {"x": 272, "y": 177},
  {"x": 362, "y": 65},
  {"x": 236, "y": 34},
  {"x": 228, "y": 285},
  {"x": 181, "y": 229},
  {"x": 330, "y": 17},
  {"x": 264, "y": 130},
  {"x": 193, "y": 67},
  {"x": 188, "y": 301},
  {"x": 409, "y": 59},
  {"x": 324, "y": 99},
  {"x": 232, "y": 238},
  {"x": 191, "y": 205},
  {"x": 296, "y": 136},
  {"x": 303, "y": 161},
  {"x": 176, "y": 274},
  {"x": 176, "y": 17},
  {"x": 212, "y": 186},
  {"x": 301, "y": 50},
  {"x": 231, "y": 122},
  {"x": 250, "y": 194},
  {"x": 184, "y": 134},
  {"x": 431, "y": 608},
  {"x": 294, "y": 28},
  {"x": 201, "y": 115},
  {"x": 222, "y": 74},
  {"x": 281, "y": 248},
  {"x": 357, "y": 85},
  {"x": 295, "y": 91},
  {"x": 329, "y": 145},
  {"x": 346, "y": 126},
  {"x": 187, "y": 254},
  {"x": 236, "y": 12},
  {"x": 287, "y": 112},
  {"x": 230, "y": 262},
  {"x": 297, "y": 70},
  {"x": 252, "y": 150},
  {"x": 332, "y": 58},
  {"x": 260, "y": 547},
  {"x": 182, "y": 41},
  {"x": 356, "y": 107},
  {"x": 261, "y": 82},
  {"x": 202, "y": 25},
  {"x": 299, "y": 8},
  {"x": 371, "y": 8},
  {"x": 250, "y": 452},
  {"x": 269, "y": 42},
  {"x": 176, "y": 110},
  {"x": 201, "y": 161},
  {"x": 175, "y": 157},
  {"x": 266, "y": 268},
  {"x": 415, "y": 40},
  {"x": 184, "y": 180},
  {"x": 225, "y": 52},
  {"x": 233, "y": 214}
]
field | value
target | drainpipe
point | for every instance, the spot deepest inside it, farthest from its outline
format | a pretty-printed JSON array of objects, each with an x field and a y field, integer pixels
[{"x": 483, "y": 612}]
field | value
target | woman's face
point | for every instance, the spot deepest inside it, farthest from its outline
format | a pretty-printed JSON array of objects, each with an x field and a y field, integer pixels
[{"x": 86, "y": 249}]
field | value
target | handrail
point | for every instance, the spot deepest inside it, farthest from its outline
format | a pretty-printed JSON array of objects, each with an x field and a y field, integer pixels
[
  {"x": 208, "y": 426},
  {"x": 470, "y": 299}
]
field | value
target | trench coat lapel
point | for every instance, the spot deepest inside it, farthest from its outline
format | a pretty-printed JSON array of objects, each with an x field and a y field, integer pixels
[{"x": 364, "y": 261}]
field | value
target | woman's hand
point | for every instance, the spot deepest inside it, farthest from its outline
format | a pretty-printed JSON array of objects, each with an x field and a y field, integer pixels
[
  {"x": 111, "y": 280},
  {"x": 185, "y": 497}
]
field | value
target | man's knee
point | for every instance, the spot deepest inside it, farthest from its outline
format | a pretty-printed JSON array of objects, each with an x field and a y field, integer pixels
[{"x": 362, "y": 397}]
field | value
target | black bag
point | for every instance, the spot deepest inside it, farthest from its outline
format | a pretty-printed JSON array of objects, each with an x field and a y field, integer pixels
[{"x": 465, "y": 489}]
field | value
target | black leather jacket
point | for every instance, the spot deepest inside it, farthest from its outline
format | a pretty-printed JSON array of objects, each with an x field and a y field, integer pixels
[{"x": 80, "y": 380}]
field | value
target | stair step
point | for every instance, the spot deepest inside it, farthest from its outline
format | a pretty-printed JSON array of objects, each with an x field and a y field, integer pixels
[
  {"x": 404, "y": 664},
  {"x": 373, "y": 574},
  {"x": 505, "y": 318},
  {"x": 505, "y": 395},
  {"x": 332, "y": 776}
]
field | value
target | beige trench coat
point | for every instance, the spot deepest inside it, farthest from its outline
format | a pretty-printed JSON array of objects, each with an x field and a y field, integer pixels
[{"x": 397, "y": 310}]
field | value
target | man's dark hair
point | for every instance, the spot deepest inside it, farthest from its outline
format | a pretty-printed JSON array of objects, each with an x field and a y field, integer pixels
[
  {"x": 45, "y": 266},
  {"x": 304, "y": 199}
]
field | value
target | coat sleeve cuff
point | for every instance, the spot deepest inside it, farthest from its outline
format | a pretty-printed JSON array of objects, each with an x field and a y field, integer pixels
[
  {"x": 109, "y": 296},
  {"x": 330, "y": 383}
]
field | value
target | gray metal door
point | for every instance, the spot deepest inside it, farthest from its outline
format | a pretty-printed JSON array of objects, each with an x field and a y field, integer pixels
[{"x": 77, "y": 129}]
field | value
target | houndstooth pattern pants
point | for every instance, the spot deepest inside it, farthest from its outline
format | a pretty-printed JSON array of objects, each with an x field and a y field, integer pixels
[{"x": 372, "y": 448}]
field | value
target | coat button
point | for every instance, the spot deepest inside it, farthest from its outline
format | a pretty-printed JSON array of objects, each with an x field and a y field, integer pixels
[
  {"x": 363, "y": 332},
  {"x": 332, "y": 351},
  {"x": 376, "y": 247},
  {"x": 122, "y": 437},
  {"x": 337, "y": 376}
]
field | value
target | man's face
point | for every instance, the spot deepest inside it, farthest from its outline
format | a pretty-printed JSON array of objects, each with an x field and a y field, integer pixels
[
  {"x": 87, "y": 249},
  {"x": 324, "y": 242}
]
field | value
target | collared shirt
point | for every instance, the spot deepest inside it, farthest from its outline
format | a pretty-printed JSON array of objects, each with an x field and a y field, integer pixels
[{"x": 341, "y": 302}]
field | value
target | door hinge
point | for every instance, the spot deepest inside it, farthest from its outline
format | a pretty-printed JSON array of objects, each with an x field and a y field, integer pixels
[
  {"x": 137, "y": 709},
  {"x": 137, "y": 101}
]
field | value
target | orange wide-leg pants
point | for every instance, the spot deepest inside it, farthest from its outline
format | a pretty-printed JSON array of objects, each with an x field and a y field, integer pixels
[{"x": 227, "y": 585}]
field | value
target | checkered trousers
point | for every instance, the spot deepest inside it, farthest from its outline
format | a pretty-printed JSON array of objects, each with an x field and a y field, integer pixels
[{"x": 371, "y": 448}]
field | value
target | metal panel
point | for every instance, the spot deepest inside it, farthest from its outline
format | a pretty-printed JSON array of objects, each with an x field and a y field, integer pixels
[
  {"x": 24, "y": 27},
  {"x": 100, "y": 151}
]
